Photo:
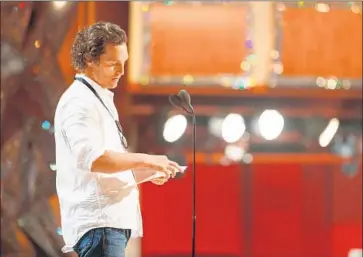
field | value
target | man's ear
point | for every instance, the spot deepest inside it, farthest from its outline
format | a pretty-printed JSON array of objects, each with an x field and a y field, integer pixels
[{"x": 91, "y": 64}]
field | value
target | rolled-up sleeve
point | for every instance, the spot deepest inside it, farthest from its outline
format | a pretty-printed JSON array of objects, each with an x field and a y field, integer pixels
[{"x": 80, "y": 126}]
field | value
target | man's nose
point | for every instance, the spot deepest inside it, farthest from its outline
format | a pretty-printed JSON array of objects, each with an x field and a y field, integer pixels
[{"x": 120, "y": 69}]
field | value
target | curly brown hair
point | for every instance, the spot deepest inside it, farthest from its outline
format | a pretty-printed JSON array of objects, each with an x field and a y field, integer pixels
[{"x": 90, "y": 42}]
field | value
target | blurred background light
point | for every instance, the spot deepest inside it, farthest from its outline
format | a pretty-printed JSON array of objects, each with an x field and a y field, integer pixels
[
  {"x": 46, "y": 125},
  {"x": 59, "y": 4},
  {"x": 234, "y": 153},
  {"x": 233, "y": 127},
  {"x": 329, "y": 132},
  {"x": 270, "y": 124},
  {"x": 174, "y": 128}
]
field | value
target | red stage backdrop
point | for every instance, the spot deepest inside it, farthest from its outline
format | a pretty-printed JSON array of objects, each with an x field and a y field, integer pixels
[{"x": 256, "y": 211}]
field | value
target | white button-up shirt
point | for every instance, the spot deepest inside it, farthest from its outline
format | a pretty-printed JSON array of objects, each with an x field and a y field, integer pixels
[{"x": 83, "y": 130}]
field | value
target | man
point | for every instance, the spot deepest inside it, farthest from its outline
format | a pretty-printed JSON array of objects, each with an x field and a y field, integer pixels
[{"x": 97, "y": 190}]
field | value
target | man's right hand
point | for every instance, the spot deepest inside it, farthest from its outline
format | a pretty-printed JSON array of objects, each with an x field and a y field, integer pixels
[{"x": 163, "y": 164}]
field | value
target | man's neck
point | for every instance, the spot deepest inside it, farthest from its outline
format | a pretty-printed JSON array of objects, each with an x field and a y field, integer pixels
[{"x": 89, "y": 74}]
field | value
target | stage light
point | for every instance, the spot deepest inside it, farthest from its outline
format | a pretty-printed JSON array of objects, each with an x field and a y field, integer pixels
[
  {"x": 174, "y": 128},
  {"x": 59, "y": 4},
  {"x": 355, "y": 253},
  {"x": 332, "y": 83},
  {"x": 233, "y": 128},
  {"x": 329, "y": 132},
  {"x": 59, "y": 231},
  {"x": 37, "y": 44},
  {"x": 347, "y": 147},
  {"x": 53, "y": 167},
  {"x": 321, "y": 7},
  {"x": 270, "y": 124},
  {"x": 46, "y": 125},
  {"x": 12, "y": 62},
  {"x": 234, "y": 153},
  {"x": 215, "y": 126},
  {"x": 247, "y": 158}
]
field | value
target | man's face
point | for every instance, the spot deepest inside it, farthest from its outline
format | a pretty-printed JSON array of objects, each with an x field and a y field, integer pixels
[{"x": 111, "y": 66}]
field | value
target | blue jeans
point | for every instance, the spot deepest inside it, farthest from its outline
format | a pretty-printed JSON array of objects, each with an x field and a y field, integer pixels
[{"x": 103, "y": 242}]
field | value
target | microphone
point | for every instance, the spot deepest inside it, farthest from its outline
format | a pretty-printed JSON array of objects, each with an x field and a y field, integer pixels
[{"x": 182, "y": 100}]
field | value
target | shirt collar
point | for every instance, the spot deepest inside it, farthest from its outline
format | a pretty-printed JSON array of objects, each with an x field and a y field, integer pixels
[{"x": 100, "y": 90}]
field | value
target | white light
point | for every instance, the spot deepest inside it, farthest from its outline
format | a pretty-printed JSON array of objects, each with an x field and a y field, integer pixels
[
  {"x": 215, "y": 126},
  {"x": 281, "y": 7},
  {"x": 321, "y": 7},
  {"x": 270, "y": 124},
  {"x": 346, "y": 84},
  {"x": 320, "y": 81},
  {"x": 247, "y": 158},
  {"x": 59, "y": 4},
  {"x": 234, "y": 153},
  {"x": 53, "y": 167},
  {"x": 278, "y": 68},
  {"x": 355, "y": 9},
  {"x": 332, "y": 83},
  {"x": 59, "y": 231},
  {"x": 233, "y": 128},
  {"x": 329, "y": 132},
  {"x": 355, "y": 253},
  {"x": 174, "y": 128}
]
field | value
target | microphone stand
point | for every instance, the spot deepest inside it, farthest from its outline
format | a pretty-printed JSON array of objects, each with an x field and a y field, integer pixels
[
  {"x": 194, "y": 217},
  {"x": 179, "y": 102}
]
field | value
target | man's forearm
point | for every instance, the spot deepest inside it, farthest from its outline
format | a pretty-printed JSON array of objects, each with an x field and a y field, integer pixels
[{"x": 111, "y": 162}]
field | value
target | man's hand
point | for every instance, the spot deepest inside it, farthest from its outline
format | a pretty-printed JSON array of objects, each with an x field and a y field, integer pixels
[
  {"x": 159, "y": 181},
  {"x": 163, "y": 164}
]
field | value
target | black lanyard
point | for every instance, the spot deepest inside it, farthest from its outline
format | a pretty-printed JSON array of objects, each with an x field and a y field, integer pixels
[{"x": 118, "y": 125}]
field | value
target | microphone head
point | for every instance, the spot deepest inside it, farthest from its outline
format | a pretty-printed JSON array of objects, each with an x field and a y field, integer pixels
[
  {"x": 182, "y": 100},
  {"x": 175, "y": 100},
  {"x": 184, "y": 96}
]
